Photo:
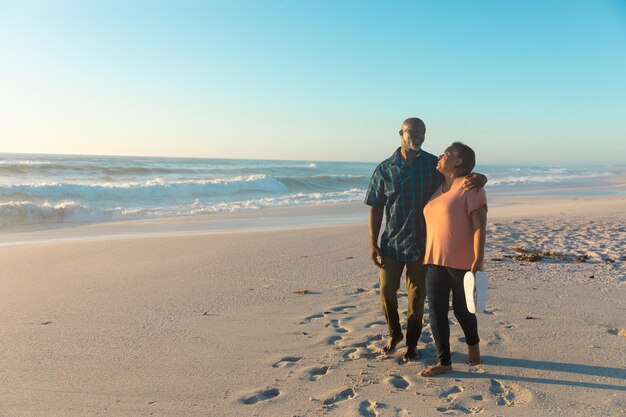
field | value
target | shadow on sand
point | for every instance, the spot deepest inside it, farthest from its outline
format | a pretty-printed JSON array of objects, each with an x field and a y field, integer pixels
[{"x": 572, "y": 368}]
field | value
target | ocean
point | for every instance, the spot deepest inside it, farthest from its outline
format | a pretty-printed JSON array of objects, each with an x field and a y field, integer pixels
[{"x": 52, "y": 189}]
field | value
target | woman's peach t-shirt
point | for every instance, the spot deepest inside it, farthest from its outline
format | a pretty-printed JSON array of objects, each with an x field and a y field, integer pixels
[{"x": 449, "y": 231}]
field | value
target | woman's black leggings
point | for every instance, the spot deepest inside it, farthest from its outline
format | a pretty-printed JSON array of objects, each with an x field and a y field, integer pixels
[{"x": 440, "y": 280}]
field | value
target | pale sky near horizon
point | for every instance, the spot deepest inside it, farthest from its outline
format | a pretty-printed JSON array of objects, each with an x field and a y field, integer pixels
[{"x": 519, "y": 81}]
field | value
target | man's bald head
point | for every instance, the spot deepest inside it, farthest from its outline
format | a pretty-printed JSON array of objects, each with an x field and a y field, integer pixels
[
  {"x": 414, "y": 123},
  {"x": 412, "y": 134}
]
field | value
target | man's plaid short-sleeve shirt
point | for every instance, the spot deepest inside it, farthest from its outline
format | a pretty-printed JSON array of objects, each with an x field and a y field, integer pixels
[{"x": 403, "y": 190}]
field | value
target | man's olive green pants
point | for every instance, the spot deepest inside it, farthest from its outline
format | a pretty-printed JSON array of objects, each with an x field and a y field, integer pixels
[{"x": 389, "y": 279}]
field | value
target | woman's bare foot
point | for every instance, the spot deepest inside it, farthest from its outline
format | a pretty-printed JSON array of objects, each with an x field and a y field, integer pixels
[
  {"x": 473, "y": 354},
  {"x": 390, "y": 347},
  {"x": 436, "y": 370}
]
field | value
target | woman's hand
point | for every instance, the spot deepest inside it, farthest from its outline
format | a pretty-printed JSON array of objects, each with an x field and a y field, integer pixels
[
  {"x": 479, "y": 224},
  {"x": 477, "y": 265}
]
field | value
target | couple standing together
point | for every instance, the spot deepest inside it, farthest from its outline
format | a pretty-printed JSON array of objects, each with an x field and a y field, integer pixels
[{"x": 436, "y": 213}]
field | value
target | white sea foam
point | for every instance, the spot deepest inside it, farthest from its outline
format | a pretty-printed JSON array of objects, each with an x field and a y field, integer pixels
[
  {"x": 27, "y": 212},
  {"x": 47, "y": 189},
  {"x": 24, "y": 162},
  {"x": 298, "y": 199},
  {"x": 160, "y": 187},
  {"x": 543, "y": 179},
  {"x": 149, "y": 189}
]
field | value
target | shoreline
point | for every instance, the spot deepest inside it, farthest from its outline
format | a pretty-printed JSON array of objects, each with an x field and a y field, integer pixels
[
  {"x": 288, "y": 218},
  {"x": 275, "y": 218}
]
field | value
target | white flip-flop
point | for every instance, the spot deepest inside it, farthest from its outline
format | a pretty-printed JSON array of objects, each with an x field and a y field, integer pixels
[
  {"x": 469, "y": 287},
  {"x": 482, "y": 284},
  {"x": 475, "y": 286}
]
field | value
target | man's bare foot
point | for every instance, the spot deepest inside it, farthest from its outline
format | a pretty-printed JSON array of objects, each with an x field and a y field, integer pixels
[
  {"x": 436, "y": 370},
  {"x": 390, "y": 347},
  {"x": 473, "y": 355},
  {"x": 410, "y": 354}
]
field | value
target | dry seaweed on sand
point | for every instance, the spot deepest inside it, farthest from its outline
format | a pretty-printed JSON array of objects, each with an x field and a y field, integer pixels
[{"x": 525, "y": 255}]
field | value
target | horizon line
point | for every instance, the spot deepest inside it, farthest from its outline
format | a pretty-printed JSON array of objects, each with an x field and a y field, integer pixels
[{"x": 617, "y": 164}]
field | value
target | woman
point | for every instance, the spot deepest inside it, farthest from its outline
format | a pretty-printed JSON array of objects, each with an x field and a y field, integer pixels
[{"x": 455, "y": 243}]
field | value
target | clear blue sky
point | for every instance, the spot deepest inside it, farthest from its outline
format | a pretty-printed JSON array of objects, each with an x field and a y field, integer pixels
[{"x": 520, "y": 81}]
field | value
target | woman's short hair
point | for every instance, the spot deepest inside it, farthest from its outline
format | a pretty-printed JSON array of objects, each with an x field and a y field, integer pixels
[{"x": 467, "y": 155}]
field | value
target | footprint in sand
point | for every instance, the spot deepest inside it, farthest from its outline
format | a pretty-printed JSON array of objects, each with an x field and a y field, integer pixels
[
  {"x": 453, "y": 409},
  {"x": 398, "y": 382},
  {"x": 476, "y": 369},
  {"x": 367, "y": 409},
  {"x": 375, "y": 323},
  {"x": 368, "y": 341},
  {"x": 312, "y": 317},
  {"x": 368, "y": 353},
  {"x": 332, "y": 340},
  {"x": 264, "y": 395},
  {"x": 496, "y": 388},
  {"x": 286, "y": 361},
  {"x": 359, "y": 353},
  {"x": 450, "y": 394},
  {"x": 346, "y": 394},
  {"x": 506, "y": 324},
  {"x": 495, "y": 339},
  {"x": 350, "y": 354},
  {"x": 509, "y": 396},
  {"x": 337, "y": 325},
  {"x": 317, "y": 373},
  {"x": 341, "y": 309}
]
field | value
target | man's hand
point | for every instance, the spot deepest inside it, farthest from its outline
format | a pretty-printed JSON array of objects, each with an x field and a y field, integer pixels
[
  {"x": 474, "y": 181},
  {"x": 376, "y": 256},
  {"x": 375, "y": 220}
]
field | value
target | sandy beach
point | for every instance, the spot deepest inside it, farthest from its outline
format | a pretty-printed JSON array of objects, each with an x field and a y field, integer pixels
[
  {"x": 185, "y": 193},
  {"x": 199, "y": 321}
]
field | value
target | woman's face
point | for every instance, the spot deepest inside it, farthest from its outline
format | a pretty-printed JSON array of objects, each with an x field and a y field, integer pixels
[{"x": 448, "y": 162}]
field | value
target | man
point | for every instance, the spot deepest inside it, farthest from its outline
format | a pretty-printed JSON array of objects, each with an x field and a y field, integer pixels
[{"x": 399, "y": 188}]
